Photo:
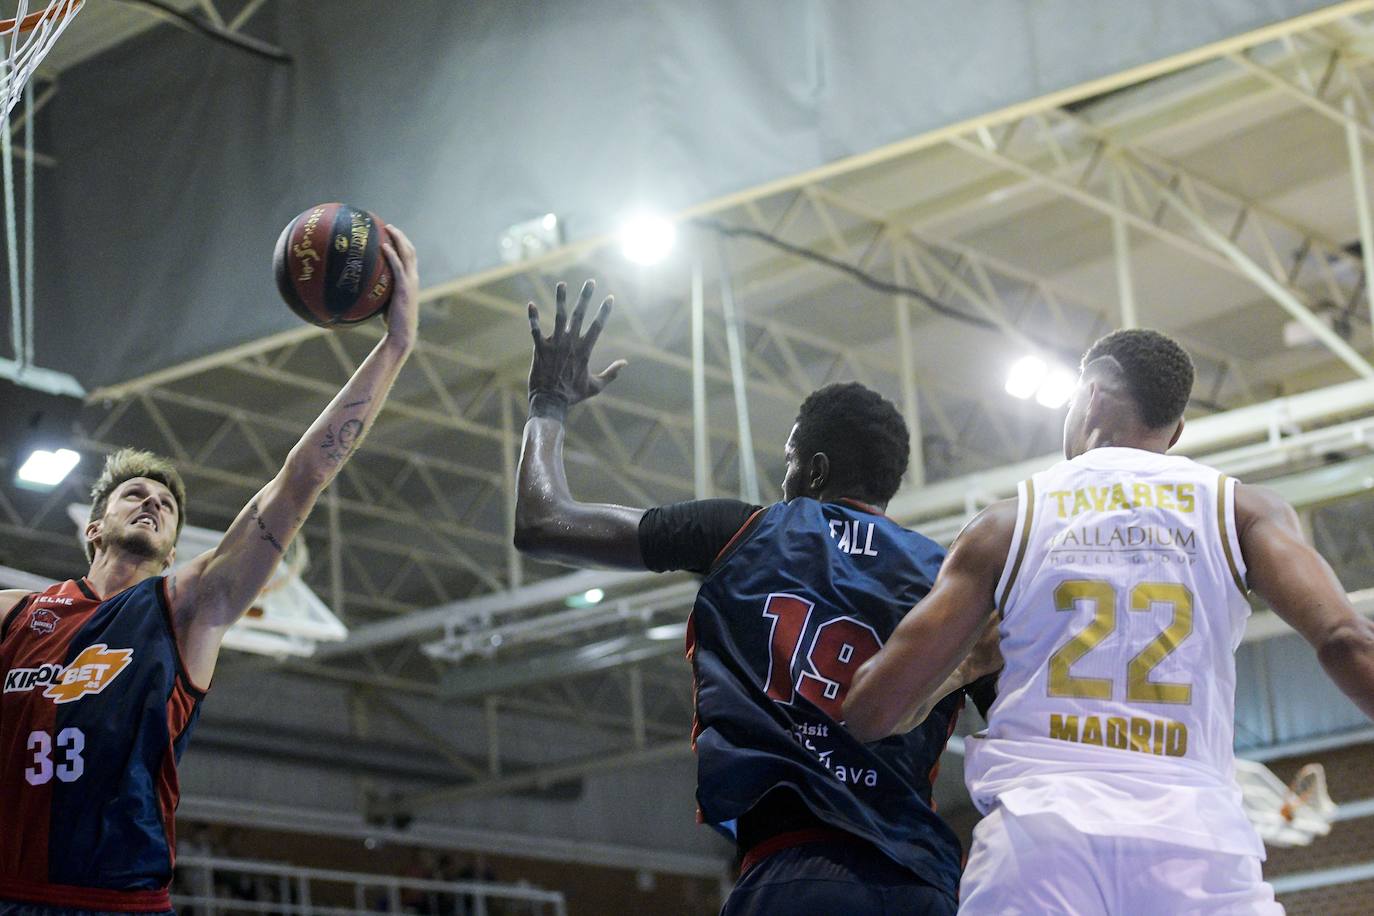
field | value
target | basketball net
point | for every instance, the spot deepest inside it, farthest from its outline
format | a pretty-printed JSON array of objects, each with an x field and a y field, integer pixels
[
  {"x": 1286, "y": 815},
  {"x": 27, "y": 39}
]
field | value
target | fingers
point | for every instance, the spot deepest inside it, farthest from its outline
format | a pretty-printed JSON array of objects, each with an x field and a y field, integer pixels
[
  {"x": 580, "y": 312},
  {"x": 534, "y": 325},
  {"x": 402, "y": 241},
  {"x": 607, "y": 375},
  {"x": 392, "y": 258},
  {"x": 401, "y": 245},
  {"x": 560, "y": 316},
  {"x": 599, "y": 322}
]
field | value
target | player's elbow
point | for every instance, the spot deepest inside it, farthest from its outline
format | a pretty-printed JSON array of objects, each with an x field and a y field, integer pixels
[
  {"x": 1348, "y": 644},
  {"x": 865, "y": 715},
  {"x": 866, "y": 723},
  {"x": 537, "y": 527},
  {"x": 532, "y": 534}
]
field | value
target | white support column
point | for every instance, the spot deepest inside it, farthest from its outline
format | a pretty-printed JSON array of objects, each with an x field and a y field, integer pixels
[
  {"x": 701, "y": 463},
  {"x": 911, "y": 405},
  {"x": 637, "y": 725},
  {"x": 493, "y": 723},
  {"x": 1121, "y": 248},
  {"x": 336, "y": 580},
  {"x": 514, "y": 567},
  {"x": 748, "y": 474},
  {"x": 1361, "y": 189}
]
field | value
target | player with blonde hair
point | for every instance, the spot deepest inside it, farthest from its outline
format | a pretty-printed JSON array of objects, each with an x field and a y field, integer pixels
[{"x": 104, "y": 675}]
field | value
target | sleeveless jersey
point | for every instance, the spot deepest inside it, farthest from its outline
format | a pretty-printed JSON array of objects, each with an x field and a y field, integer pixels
[
  {"x": 1123, "y": 602},
  {"x": 803, "y": 595},
  {"x": 95, "y": 713}
]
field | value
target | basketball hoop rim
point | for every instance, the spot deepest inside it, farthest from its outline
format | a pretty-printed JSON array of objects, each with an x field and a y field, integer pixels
[{"x": 59, "y": 9}]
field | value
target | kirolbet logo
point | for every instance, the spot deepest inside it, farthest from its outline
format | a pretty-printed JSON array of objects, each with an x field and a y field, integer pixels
[{"x": 90, "y": 672}]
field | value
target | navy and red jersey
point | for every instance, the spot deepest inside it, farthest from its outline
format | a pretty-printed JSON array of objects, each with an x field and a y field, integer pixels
[
  {"x": 804, "y": 595},
  {"x": 96, "y": 710}
]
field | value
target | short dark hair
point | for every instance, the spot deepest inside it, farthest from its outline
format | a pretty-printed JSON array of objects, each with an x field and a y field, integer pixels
[
  {"x": 862, "y": 434},
  {"x": 1158, "y": 373},
  {"x": 126, "y": 464}
]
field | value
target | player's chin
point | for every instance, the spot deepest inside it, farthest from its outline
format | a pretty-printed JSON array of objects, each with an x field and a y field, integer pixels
[{"x": 142, "y": 543}]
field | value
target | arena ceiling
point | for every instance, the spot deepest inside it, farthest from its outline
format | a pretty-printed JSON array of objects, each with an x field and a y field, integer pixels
[{"x": 1216, "y": 202}]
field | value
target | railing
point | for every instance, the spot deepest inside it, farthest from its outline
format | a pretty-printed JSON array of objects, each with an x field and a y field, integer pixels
[{"x": 197, "y": 892}]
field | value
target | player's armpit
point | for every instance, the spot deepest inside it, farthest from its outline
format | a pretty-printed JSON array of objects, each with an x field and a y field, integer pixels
[
  {"x": 891, "y": 689},
  {"x": 1293, "y": 578}
]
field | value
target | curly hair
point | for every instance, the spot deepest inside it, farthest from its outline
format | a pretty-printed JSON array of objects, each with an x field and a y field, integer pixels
[
  {"x": 126, "y": 464},
  {"x": 1158, "y": 373},
  {"x": 863, "y": 435}
]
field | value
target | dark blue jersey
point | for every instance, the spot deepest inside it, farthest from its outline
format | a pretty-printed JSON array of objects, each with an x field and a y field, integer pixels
[
  {"x": 804, "y": 595},
  {"x": 95, "y": 713}
]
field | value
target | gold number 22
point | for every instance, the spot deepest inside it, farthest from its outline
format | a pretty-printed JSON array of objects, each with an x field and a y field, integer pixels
[{"x": 1139, "y": 687}]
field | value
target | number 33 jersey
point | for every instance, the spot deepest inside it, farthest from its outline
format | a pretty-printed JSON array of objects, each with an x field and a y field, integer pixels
[
  {"x": 1122, "y": 602},
  {"x": 803, "y": 596},
  {"x": 95, "y": 712}
]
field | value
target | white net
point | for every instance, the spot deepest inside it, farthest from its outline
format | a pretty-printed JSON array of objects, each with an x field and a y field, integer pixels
[
  {"x": 27, "y": 38},
  {"x": 1286, "y": 815}
]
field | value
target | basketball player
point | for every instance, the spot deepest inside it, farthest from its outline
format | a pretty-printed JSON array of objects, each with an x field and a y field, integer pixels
[
  {"x": 104, "y": 675},
  {"x": 1121, "y": 577},
  {"x": 796, "y": 595}
]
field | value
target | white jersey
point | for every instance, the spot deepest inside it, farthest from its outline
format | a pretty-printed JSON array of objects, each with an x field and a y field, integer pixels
[{"x": 1122, "y": 602}]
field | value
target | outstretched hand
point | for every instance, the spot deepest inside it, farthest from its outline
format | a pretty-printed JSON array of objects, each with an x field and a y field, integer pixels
[
  {"x": 559, "y": 373},
  {"x": 403, "y": 311}
]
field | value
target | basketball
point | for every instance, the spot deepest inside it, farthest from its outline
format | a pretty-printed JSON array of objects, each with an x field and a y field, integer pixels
[{"x": 330, "y": 267}]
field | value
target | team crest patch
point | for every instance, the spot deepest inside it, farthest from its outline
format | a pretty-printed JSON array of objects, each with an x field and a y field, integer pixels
[
  {"x": 90, "y": 672},
  {"x": 43, "y": 621}
]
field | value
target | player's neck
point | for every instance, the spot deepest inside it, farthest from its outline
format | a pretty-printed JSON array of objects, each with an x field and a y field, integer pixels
[
  {"x": 1145, "y": 440},
  {"x": 827, "y": 496},
  {"x": 112, "y": 571}
]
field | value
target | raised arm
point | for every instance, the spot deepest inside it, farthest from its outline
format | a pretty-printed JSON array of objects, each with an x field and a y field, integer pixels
[
  {"x": 549, "y": 523},
  {"x": 1289, "y": 574},
  {"x": 214, "y": 590},
  {"x": 891, "y": 691}
]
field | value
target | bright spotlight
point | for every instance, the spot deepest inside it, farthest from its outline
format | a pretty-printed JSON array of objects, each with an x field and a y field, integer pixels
[
  {"x": 647, "y": 238},
  {"x": 1056, "y": 390},
  {"x": 1025, "y": 376},
  {"x": 584, "y": 599},
  {"x": 667, "y": 631},
  {"x": 44, "y": 469}
]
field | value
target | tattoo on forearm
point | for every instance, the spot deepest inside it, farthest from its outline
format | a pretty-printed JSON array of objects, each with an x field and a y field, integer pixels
[
  {"x": 339, "y": 445},
  {"x": 356, "y": 403},
  {"x": 266, "y": 535}
]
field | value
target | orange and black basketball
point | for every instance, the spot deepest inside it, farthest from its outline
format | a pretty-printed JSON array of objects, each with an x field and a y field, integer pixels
[{"x": 330, "y": 267}]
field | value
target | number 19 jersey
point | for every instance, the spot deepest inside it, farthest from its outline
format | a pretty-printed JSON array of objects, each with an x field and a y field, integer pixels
[
  {"x": 1122, "y": 602},
  {"x": 802, "y": 597}
]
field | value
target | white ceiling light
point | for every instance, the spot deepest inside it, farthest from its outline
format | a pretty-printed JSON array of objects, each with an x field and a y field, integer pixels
[
  {"x": 1056, "y": 390},
  {"x": 647, "y": 238},
  {"x": 45, "y": 469},
  {"x": 1025, "y": 376}
]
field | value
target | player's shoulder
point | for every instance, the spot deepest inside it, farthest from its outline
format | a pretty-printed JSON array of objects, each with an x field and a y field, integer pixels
[
  {"x": 1253, "y": 503},
  {"x": 987, "y": 538},
  {"x": 9, "y": 600}
]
